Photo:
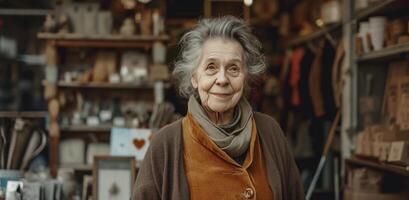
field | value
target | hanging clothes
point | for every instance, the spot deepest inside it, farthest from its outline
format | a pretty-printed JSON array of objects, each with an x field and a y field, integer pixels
[
  {"x": 327, "y": 63},
  {"x": 296, "y": 58},
  {"x": 305, "y": 107},
  {"x": 315, "y": 82}
]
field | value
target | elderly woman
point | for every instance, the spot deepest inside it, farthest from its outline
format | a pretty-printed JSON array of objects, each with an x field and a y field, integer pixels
[{"x": 221, "y": 149}]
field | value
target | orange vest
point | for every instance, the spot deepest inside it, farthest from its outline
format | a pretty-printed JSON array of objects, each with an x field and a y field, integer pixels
[{"x": 212, "y": 174}]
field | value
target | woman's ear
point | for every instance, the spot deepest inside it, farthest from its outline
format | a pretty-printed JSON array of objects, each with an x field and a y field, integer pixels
[{"x": 193, "y": 80}]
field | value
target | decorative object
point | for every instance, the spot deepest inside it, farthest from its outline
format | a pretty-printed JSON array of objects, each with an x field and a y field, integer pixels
[
  {"x": 96, "y": 149},
  {"x": 130, "y": 142},
  {"x": 9, "y": 175},
  {"x": 158, "y": 52},
  {"x": 104, "y": 23},
  {"x": 105, "y": 65},
  {"x": 113, "y": 177},
  {"x": 127, "y": 28},
  {"x": 72, "y": 151},
  {"x": 134, "y": 67},
  {"x": 331, "y": 12},
  {"x": 90, "y": 18},
  {"x": 377, "y": 32},
  {"x": 76, "y": 14},
  {"x": 87, "y": 187},
  {"x": 146, "y": 22},
  {"x": 66, "y": 175},
  {"x": 64, "y": 24},
  {"x": 50, "y": 25},
  {"x": 159, "y": 72}
]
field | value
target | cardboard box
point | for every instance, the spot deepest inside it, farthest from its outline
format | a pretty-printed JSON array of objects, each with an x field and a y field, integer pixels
[
  {"x": 399, "y": 152},
  {"x": 350, "y": 194},
  {"x": 364, "y": 179}
]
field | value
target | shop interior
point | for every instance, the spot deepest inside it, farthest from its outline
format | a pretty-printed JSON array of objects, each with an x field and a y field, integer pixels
[{"x": 85, "y": 84}]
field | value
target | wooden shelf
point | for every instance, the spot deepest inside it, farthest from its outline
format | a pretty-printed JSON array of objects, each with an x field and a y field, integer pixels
[
  {"x": 396, "y": 169},
  {"x": 107, "y": 85},
  {"x": 86, "y": 128},
  {"x": 24, "y": 114},
  {"x": 319, "y": 33},
  {"x": 385, "y": 53},
  {"x": 381, "y": 8},
  {"x": 24, "y": 12},
  {"x": 99, "y": 41},
  {"x": 77, "y": 167}
]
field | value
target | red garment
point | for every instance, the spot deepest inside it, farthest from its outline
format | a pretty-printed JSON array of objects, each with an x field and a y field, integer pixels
[{"x": 294, "y": 78}]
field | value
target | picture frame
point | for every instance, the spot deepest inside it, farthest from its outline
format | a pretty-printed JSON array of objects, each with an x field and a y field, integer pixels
[{"x": 114, "y": 177}]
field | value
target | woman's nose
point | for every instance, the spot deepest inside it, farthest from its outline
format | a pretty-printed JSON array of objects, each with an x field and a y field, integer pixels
[{"x": 221, "y": 78}]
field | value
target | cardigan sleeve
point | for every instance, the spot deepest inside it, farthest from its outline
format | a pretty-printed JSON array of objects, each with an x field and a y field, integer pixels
[
  {"x": 294, "y": 189},
  {"x": 145, "y": 187}
]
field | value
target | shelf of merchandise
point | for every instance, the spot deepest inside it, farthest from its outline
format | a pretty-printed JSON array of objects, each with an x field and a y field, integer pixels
[
  {"x": 24, "y": 12},
  {"x": 385, "y": 53},
  {"x": 86, "y": 128},
  {"x": 99, "y": 41},
  {"x": 54, "y": 41},
  {"x": 73, "y": 85},
  {"x": 380, "y": 8},
  {"x": 388, "y": 167},
  {"x": 314, "y": 35},
  {"x": 23, "y": 114},
  {"x": 78, "y": 167}
]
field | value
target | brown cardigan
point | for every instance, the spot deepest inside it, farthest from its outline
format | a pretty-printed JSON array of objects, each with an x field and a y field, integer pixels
[{"x": 162, "y": 174}]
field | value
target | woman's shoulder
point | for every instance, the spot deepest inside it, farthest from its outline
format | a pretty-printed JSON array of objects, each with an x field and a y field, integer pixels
[
  {"x": 168, "y": 135},
  {"x": 266, "y": 120},
  {"x": 266, "y": 123}
]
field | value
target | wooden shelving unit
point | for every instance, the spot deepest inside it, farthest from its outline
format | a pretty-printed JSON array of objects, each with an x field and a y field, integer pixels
[
  {"x": 78, "y": 167},
  {"x": 381, "y": 8},
  {"x": 387, "y": 167},
  {"x": 363, "y": 67},
  {"x": 23, "y": 114},
  {"x": 132, "y": 86},
  {"x": 85, "y": 128},
  {"x": 315, "y": 35},
  {"x": 384, "y": 54},
  {"x": 60, "y": 41},
  {"x": 110, "y": 41}
]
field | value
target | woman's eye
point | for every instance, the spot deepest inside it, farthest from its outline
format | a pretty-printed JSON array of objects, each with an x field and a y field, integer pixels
[
  {"x": 211, "y": 68},
  {"x": 234, "y": 69}
]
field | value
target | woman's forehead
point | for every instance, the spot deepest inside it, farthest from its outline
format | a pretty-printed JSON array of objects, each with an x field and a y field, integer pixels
[{"x": 216, "y": 49}]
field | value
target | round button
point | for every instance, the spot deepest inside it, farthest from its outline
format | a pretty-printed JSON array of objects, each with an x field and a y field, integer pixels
[{"x": 249, "y": 193}]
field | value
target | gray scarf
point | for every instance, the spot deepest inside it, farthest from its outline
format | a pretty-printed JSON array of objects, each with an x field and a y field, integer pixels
[{"x": 236, "y": 140}]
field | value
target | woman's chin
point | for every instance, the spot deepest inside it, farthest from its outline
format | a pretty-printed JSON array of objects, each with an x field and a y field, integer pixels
[{"x": 218, "y": 108}]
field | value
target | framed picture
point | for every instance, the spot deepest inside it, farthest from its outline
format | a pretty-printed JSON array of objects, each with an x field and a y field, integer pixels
[{"x": 114, "y": 177}]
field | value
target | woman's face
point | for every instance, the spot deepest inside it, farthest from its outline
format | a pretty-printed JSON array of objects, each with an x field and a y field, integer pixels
[{"x": 220, "y": 75}]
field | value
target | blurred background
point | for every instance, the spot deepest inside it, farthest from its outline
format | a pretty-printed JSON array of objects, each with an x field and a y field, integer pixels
[{"x": 84, "y": 86}]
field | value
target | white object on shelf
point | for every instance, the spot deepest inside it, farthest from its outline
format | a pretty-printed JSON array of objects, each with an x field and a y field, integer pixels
[
  {"x": 363, "y": 32},
  {"x": 130, "y": 142},
  {"x": 377, "y": 31},
  {"x": 119, "y": 121},
  {"x": 51, "y": 74},
  {"x": 72, "y": 151},
  {"x": 90, "y": 15},
  {"x": 92, "y": 121},
  {"x": 361, "y": 4},
  {"x": 96, "y": 149},
  {"x": 159, "y": 52},
  {"x": 104, "y": 23},
  {"x": 159, "y": 92},
  {"x": 76, "y": 14},
  {"x": 331, "y": 12},
  {"x": 114, "y": 78}
]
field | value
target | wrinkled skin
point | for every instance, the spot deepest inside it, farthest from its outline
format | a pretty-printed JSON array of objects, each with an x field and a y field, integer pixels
[{"x": 220, "y": 78}]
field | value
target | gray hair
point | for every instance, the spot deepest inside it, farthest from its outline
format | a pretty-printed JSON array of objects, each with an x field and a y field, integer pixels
[{"x": 227, "y": 27}]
